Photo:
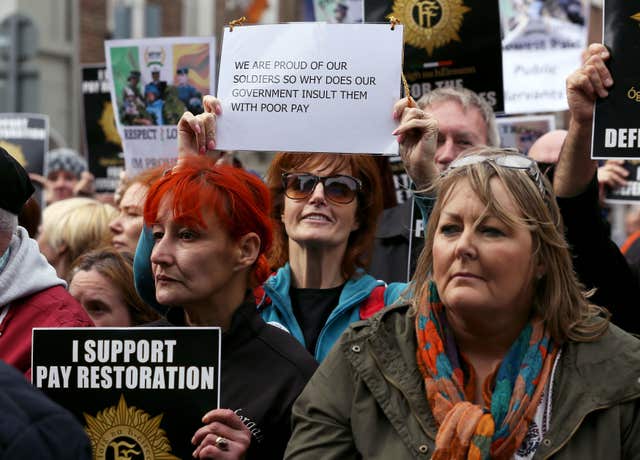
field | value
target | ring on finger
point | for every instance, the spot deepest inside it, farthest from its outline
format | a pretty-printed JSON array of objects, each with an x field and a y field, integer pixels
[{"x": 222, "y": 443}]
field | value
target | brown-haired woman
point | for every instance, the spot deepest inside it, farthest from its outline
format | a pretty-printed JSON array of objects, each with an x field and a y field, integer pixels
[{"x": 102, "y": 281}]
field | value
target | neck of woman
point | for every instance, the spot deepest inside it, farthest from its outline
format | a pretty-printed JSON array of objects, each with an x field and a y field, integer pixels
[
  {"x": 218, "y": 309},
  {"x": 318, "y": 267},
  {"x": 484, "y": 340}
]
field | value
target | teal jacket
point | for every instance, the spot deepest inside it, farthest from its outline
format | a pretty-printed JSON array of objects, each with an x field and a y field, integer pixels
[{"x": 277, "y": 309}]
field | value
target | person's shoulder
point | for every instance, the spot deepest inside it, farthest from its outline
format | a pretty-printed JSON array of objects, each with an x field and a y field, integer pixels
[
  {"x": 287, "y": 350},
  {"x": 395, "y": 319},
  {"x": 610, "y": 364},
  {"x": 33, "y": 425},
  {"x": 53, "y": 306}
]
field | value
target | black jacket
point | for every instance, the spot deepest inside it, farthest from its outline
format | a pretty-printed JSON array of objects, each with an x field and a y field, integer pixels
[
  {"x": 263, "y": 371},
  {"x": 32, "y": 426}
]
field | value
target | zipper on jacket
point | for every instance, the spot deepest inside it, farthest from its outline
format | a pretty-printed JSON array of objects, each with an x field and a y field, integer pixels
[
  {"x": 397, "y": 386},
  {"x": 566, "y": 441}
]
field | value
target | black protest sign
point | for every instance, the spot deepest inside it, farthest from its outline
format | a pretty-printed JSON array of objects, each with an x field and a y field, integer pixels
[
  {"x": 26, "y": 137},
  {"x": 103, "y": 146},
  {"x": 616, "y": 126},
  {"x": 630, "y": 193},
  {"x": 140, "y": 392},
  {"x": 448, "y": 43}
]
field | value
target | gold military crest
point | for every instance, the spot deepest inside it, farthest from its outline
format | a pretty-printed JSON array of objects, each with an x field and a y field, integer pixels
[
  {"x": 430, "y": 24},
  {"x": 127, "y": 433}
]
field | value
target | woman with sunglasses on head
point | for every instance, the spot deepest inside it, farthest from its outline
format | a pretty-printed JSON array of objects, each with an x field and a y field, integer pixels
[
  {"x": 498, "y": 354},
  {"x": 211, "y": 231}
]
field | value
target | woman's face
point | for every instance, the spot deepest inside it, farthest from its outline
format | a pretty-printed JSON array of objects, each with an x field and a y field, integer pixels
[
  {"x": 483, "y": 266},
  {"x": 100, "y": 299},
  {"x": 127, "y": 226},
  {"x": 191, "y": 266},
  {"x": 317, "y": 221}
]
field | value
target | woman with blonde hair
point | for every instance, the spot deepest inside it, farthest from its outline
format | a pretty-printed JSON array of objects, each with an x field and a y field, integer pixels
[
  {"x": 499, "y": 354},
  {"x": 72, "y": 227}
]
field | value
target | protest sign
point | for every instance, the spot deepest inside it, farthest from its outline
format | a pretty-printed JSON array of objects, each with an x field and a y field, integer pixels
[
  {"x": 26, "y": 137},
  {"x": 139, "y": 391},
  {"x": 448, "y": 43},
  {"x": 103, "y": 146},
  {"x": 153, "y": 82},
  {"x": 309, "y": 87},
  {"x": 616, "y": 126},
  {"x": 521, "y": 132},
  {"x": 541, "y": 45},
  {"x": 339, "y": 11},
  {"x": 630, "y": 193}
]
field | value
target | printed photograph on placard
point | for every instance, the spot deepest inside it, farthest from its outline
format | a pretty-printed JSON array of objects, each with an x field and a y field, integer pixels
[
  {"x": 448, "y": 43},
  {"x": 339, "y": 11},
  {"x": 153, "y": 82},
  {"x": 630, "y": 193}
]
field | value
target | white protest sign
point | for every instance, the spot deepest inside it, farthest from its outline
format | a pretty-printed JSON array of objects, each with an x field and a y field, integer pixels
[{"x": 310, "y": 87}]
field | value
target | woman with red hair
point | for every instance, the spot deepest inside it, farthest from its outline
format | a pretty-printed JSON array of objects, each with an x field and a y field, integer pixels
[{"x": 211, "y": 231}]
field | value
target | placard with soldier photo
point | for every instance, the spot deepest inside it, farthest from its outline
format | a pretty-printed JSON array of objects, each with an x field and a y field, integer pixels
[{"x": 153, "y": 82}]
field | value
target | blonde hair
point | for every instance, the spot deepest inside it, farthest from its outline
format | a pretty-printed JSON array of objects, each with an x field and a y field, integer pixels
[
  {"x": 80, "y": 224},
  {"x": 559, "y": 298}
]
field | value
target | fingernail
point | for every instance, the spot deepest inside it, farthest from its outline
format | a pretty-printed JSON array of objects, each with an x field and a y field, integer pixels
[
  {"x": 608, "y": 82},
  {"x": 212, "y": 145},
  {"x": 202, "y": 150},
  {"x": 197, "y": 129},
  {"x": 604, "y": 54},
  {"x": 395, "y": 132},
  {"x": 218, "y": 110}
]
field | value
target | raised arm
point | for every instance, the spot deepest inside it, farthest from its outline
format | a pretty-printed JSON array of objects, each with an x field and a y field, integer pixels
[
  {"x": 575, "y": 168},
  {"x": 417, "y": 137}
]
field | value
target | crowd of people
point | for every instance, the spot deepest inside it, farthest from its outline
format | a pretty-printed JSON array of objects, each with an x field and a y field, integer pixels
[{"x": 513, "y": 338}]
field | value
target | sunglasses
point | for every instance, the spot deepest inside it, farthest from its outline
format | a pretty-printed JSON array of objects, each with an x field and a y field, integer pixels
[
  {"x": 339, "y": 188},
  {"x": 510, "y": 161}
]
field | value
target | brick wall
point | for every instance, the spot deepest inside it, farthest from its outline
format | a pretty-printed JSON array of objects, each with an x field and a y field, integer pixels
[{"x": 93, "y": 31}]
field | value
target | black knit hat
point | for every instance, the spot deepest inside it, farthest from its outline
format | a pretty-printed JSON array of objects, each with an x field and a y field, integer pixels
[{"x": 16, "y": 186}]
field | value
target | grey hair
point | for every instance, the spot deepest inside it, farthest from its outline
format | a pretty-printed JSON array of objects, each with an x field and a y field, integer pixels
[
  {"x": 466, "y": 98},
  {"x": 8, "y": 222}
]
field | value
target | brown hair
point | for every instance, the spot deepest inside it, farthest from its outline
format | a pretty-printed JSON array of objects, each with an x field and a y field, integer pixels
[
  {"x": 117, "y": 268},
  {"x": 558, "y": 296},
  {"x": 369, "y": 198}
]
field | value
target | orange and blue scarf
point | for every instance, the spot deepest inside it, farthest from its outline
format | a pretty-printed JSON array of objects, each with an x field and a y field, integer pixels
[{"x": 511, "y": 394}]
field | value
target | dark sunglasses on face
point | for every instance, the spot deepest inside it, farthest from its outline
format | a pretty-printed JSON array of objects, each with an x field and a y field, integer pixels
[{"x": 339, "y": 188}]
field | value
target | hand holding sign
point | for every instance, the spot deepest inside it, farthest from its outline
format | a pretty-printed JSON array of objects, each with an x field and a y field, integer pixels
[
  {"x": 223, "y": 437},
  {"x": 588, "y": 83},
  {"x": 417, "y": 136}
]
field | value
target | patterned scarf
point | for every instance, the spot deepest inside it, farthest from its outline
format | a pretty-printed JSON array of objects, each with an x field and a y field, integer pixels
[{"x": 512, "y": 392}]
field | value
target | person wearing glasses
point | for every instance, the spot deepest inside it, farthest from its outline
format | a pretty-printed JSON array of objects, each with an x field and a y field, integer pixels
[
  {"x": 325, "y": 209},
  {"x": 211, "y": 232},
  {"x": 498, "y": 353}
]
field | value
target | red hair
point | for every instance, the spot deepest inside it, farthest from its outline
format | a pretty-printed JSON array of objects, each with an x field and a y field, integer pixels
[
  {"x": 364, "y": 167},
  {"x": 239, "y": 200}
]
